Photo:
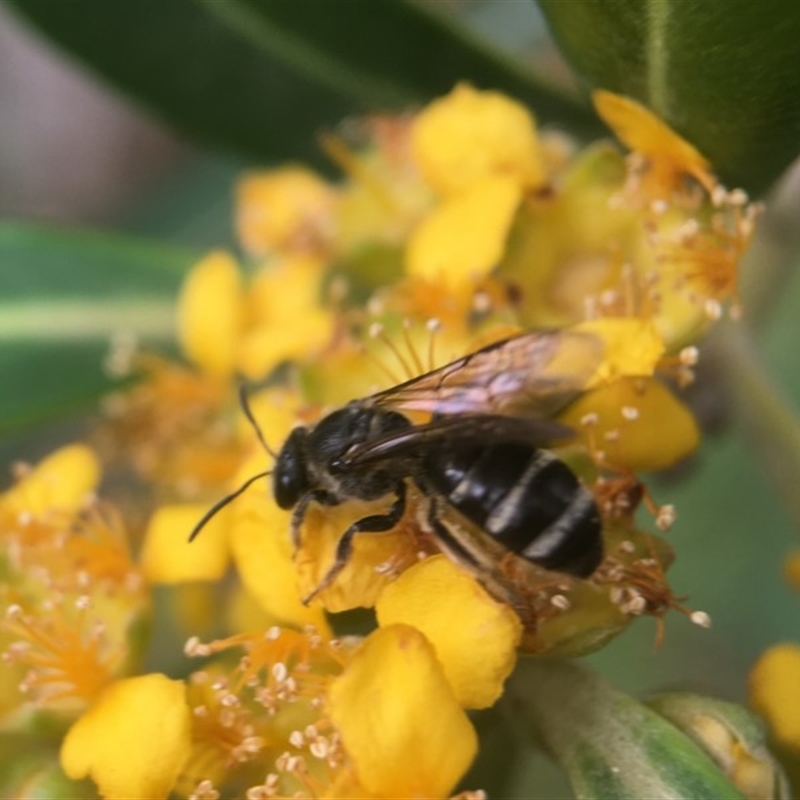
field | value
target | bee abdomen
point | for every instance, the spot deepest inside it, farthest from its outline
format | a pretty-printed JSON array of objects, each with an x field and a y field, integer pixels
[{"x": 528, "y": 500}]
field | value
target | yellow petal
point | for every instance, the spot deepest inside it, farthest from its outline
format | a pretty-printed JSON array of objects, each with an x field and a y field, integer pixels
[
  {"x": 470, "y": 135},
  {"x": 267, "y": 346},
  {"x": 134, "y": 740},
  {"x": 474, "y": 635},
  {"x": 636, "y": 422},
  {"x": 262, "y": 551},
  {"x": 282, "y": 209},
  {"x": 211, "y": 314},
  {"x": 775, "y": 692},
  {"x": 286, "y": 289},
  {"x": 60, "y": 482},
  {"x": 169, "y": 557},
  {"x": 633, "y": 347},
  {"x": 642, "y": 131},
  {"x": 400, "y": 723},
  {"x": 464, "y": 239}
]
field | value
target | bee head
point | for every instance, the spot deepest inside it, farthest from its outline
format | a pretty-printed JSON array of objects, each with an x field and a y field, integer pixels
[{"x": 290, "y": 476}]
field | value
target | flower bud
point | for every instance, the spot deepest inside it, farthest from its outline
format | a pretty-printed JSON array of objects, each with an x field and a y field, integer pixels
[{"x": 732, "y": 736}]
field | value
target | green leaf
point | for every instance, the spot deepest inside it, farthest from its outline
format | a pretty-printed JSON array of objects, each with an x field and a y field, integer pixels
[
  {"x": 63, "y": 296},
  {"x": 260, "y": 77},
  {"x": 724, "y": 75}
]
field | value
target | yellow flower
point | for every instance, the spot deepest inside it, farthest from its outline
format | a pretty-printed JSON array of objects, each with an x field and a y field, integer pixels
[
  {"x": 72, "y": 592},
  {"x": 176, "y": 429},
  {"x": 634, "y": 424},
  {"x": 61, "y": 483},
  {"x": 166, "y": 555},
  {"x": 226, "y": 328},
  {"x": 470, "y": 135},
  {"x": 134, "y": 740},
  {"x": 340, "y": 719},
  {"x": 464, "y": 238},
  {"x": 284, "y": 210},
  {"x": 478, "y": 654},
  {"x": 262, "y": 552},
  {"x": 653, "y": 237},
  {"x": 631, "y": 348},
  {"x": 211, "y": 314},
  {"x": 669, "y": 155},
  {"x": 775, "y": 692},
  {"x": 451, "y": 229},
  {"x": 399, "y": 720}
]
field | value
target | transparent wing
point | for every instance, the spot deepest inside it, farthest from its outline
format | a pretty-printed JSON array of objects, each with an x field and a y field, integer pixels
[
  {"x": 534, "y": 374},
  {"x": 459, "y": 431}
]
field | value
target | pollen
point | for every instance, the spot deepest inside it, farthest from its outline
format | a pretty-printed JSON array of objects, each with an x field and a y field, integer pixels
[
  {"x": 630, "y": 413},
  {"x": 561, "y": 602},
  {"x": 713, "y": 309},
  {"x": 666, "y": 516},
  {"x": 701, "y": 619},
  {"x": 689, "y": 356},
  {"x": 204, "y": 791}
]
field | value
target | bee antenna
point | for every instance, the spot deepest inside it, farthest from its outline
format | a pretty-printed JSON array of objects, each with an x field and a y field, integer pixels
[
  {"x": 220, "y": 504},
  {"x": 244, "y": 401}
]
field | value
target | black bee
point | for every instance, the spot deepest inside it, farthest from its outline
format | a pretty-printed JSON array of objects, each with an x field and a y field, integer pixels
[{"x": 488, "y": 484}]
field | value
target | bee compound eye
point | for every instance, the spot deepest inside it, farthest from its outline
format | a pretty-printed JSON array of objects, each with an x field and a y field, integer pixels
[
  {"x": 290, "y": 480},
  {"x": 286, "y": 488}
]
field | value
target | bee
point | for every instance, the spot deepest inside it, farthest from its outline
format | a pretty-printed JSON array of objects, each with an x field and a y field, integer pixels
[{"x": 489, "y": 485}]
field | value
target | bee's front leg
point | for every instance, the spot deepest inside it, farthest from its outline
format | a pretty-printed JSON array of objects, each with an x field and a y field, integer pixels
[{"x": 376, "y": 523}]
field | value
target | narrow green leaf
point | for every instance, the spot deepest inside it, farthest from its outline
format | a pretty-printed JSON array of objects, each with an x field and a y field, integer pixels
[
  {"x": 724, "y": 75},
  {"x": 392, "y": 52},
  {"x": 63, "y": 296},
  {"x": 260, "y": 77}
]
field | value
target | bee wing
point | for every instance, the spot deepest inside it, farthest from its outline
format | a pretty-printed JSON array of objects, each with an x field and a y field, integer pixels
[
  {"x": 482, "y": 429},
  {"x": 533, "y": 374}
]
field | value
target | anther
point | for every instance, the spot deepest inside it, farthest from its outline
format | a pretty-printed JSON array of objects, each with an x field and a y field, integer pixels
[
  {"x": 666, "y": 517},
  {"x": 561, "y": 602},
  {"x": 700, "y": 618},
  {"x": 630, "y": 413}
]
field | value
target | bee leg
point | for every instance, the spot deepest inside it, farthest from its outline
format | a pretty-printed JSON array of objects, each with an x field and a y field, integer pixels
[
  {"x": 481, "y": 566},
  {"x": 376, "y": 523},
  {"x": 447, "y": 541},
  {"x": 299, "y": 513}
]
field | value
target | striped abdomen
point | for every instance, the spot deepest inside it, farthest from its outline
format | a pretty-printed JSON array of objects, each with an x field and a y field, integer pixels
[{"x": 525, "y": 498}]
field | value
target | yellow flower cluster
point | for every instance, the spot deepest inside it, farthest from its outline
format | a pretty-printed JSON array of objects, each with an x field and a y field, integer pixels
[{"x": 453, "y": 228}]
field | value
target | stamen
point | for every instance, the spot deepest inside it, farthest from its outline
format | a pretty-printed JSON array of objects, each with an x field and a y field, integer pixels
[{"x": 700, "y": 618}]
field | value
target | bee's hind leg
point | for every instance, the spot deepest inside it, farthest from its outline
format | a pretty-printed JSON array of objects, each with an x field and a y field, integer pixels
[{"x": 376, "y": 523}]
